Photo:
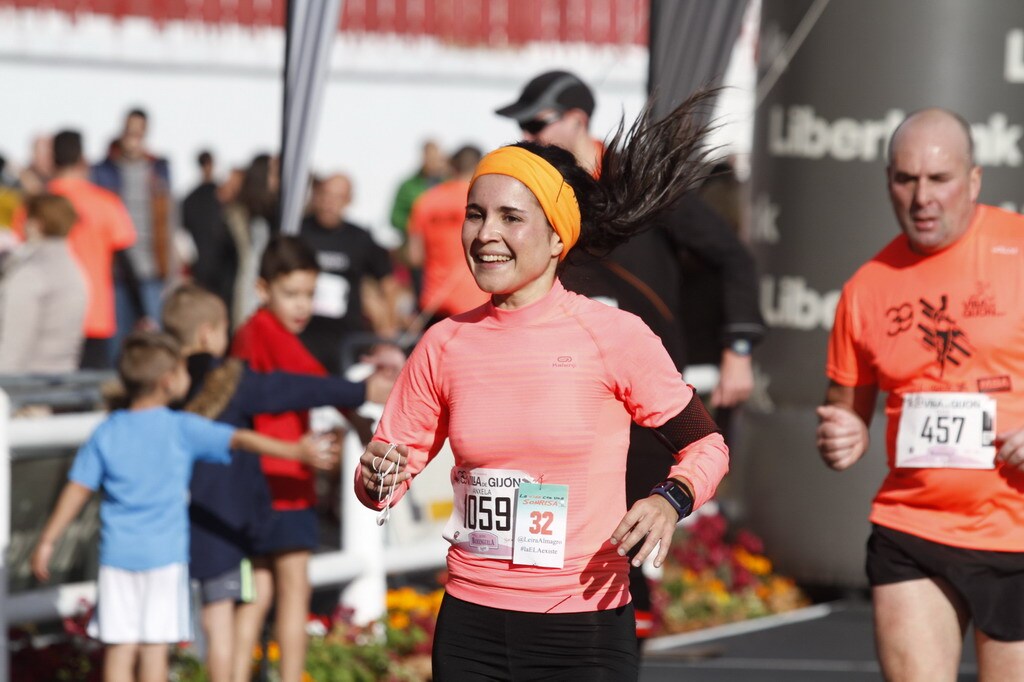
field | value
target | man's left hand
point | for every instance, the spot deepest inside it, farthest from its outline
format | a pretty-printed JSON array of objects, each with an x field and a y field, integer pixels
[{"x": 1011, "y": 453}]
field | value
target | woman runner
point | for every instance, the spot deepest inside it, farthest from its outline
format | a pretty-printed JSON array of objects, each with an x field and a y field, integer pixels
[{"x": 535, "y": 391}]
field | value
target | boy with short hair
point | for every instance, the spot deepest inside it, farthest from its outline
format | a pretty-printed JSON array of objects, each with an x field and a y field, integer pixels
[
  {"x": 269, "y": 341},
  {"x": 231, "y": 505},
  {"x": 142, "y": 459}
]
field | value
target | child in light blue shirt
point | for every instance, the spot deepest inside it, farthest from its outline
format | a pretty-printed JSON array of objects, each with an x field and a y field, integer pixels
[{"x": 141, "y": 460}]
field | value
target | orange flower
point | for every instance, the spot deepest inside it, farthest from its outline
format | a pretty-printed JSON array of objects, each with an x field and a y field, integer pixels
[
  {"x": 755, "y": 563},
  {"x": 717, "y": 587}
]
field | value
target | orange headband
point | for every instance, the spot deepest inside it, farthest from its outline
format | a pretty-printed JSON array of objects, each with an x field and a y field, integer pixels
[{"x": 554, "y": 194}]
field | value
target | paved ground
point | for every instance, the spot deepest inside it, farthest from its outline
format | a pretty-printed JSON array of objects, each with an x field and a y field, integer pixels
[{"x": 826, "y": 643}]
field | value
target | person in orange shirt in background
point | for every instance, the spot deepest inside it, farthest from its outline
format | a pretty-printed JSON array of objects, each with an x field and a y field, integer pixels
[
  {"x": 103, "y": 229},
  {"x": 936, "y": 320},
  {"x": 435, "y": 243}
]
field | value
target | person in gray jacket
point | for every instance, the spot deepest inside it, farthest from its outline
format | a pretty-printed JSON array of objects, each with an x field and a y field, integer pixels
[{"x": 42, "y": 294}]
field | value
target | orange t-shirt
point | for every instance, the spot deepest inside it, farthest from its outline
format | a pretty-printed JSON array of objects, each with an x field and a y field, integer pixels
[
  {"x": 952, "y": 321},
  {"x": 103, "y": 227},
  {"x": 437, "y": 217}
]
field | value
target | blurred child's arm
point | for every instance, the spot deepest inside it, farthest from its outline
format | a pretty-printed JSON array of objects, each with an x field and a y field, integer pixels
[
  {"x": 276, "y": 392},
  {"x": 318, "y": 452},
  {"x": 69, "y": 504}
]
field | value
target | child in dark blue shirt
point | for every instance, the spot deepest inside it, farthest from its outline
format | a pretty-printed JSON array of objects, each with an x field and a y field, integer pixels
[{"x": 230, "y": 504}]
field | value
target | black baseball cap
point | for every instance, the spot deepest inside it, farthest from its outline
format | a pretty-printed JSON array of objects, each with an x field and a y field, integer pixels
[{"x": 559, "y": 90}]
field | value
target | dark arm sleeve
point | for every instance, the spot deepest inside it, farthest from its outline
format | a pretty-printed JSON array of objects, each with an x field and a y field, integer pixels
[
  {"x": 276, "y": 392},
  {"x": 693, "y": 226}
]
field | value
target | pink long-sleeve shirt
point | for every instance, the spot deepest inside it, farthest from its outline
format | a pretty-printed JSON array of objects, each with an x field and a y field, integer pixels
[{"x": 548, "y": 390}]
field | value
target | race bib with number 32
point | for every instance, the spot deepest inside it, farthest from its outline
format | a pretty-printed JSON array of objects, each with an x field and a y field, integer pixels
[
  {"x": 542, "y": 515},
  {"x": 947, "y": 430}
]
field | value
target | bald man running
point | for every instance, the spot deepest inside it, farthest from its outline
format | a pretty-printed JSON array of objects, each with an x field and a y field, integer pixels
[{"x": 936, "y": 320}]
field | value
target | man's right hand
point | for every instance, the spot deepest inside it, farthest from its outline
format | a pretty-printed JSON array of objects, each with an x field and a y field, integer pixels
[{"x": 842, "y": 436}]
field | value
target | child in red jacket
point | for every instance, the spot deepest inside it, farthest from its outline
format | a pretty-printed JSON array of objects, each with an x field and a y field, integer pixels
[{"x": 269, "y": 341}]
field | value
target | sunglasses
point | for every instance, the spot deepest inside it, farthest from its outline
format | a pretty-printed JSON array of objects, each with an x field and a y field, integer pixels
[{"x": 535, "y": 125}]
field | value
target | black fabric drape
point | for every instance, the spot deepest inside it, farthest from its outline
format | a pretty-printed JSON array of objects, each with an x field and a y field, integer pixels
[{"x": 690, "y": 44}]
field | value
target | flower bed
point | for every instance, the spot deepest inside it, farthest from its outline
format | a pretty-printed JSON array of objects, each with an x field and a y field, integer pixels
[
  {"x": 396, "y": 649},
  {"x": 713, "y": 576}
]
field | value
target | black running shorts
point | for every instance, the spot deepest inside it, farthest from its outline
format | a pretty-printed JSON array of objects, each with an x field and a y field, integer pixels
[
  {"x": 991, "y": 583},
  {"x": 475, "y": 642}
]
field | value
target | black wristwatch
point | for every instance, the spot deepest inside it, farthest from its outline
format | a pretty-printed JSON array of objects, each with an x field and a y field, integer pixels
[{"x": 677, "y": 495}]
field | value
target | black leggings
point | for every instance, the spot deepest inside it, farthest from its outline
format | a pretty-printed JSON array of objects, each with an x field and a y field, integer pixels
[{"x": 480, "y": 643}]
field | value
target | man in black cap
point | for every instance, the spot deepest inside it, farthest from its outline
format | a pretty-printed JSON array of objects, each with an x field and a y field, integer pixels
[
  {"x": 644, "y": 277},
  {"x": 555, "y": 108}
]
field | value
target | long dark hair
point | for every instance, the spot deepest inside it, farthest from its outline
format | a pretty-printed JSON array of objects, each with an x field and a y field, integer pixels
[
  {"x": 255, "y": 193},
  {"x": 644, "y": 170}
]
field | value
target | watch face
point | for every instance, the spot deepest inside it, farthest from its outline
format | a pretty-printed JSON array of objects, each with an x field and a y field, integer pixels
[
  {"x": 678, "y": 495},
  {"x": 741, "y": 347}
]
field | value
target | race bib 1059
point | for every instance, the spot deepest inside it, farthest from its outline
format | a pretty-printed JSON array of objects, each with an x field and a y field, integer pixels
[{"x": 483, "y": 510}]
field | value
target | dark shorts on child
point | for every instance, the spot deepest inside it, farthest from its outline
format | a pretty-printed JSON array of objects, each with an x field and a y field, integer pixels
[
  {"x": 289, "y": 531},
  {"x": 991, "y": 583},
  {"x": 235, "y": 585},
  {"x": 474, "y": 642}
]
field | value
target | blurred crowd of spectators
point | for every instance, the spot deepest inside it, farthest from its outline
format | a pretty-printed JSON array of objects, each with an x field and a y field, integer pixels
[{"x": 118, "y": 239}]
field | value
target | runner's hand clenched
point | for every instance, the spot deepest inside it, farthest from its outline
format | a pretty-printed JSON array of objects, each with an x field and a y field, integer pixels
[
  {"x": 1011, "y": 452},
  {"x": 372, "y": 464},
  {"x": 842, "y": 436}
]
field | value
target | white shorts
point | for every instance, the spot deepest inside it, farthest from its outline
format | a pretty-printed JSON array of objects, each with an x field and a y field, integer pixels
[{"x": 142, "y": 607}]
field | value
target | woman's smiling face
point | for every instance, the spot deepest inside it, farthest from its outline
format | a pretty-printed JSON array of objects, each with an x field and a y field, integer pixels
[{"x": 510, "y": 246}]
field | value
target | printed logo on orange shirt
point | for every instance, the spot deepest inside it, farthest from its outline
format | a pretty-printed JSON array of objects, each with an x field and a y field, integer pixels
[
  {"x": 900, "y": 317},
  {"x": 982, "y": 303},
  {"x": 994, "y": 384},
  {"x": 943, "y": 334}
]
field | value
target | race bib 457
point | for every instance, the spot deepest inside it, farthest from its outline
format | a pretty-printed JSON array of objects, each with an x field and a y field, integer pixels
[{"x": 949, "y": 430}]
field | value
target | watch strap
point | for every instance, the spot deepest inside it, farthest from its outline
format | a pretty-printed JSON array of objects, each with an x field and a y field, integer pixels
[{"x": 677, "y": 495}]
